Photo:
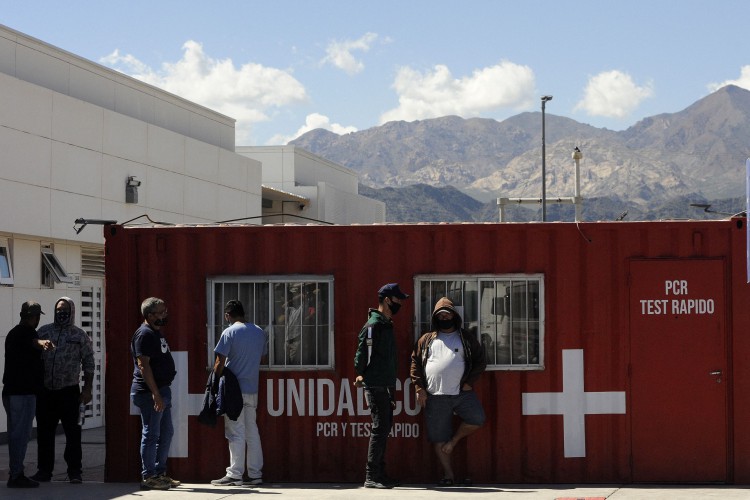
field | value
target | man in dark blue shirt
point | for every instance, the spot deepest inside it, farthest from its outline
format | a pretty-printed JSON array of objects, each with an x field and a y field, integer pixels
[{"x": 152, "y": 375}]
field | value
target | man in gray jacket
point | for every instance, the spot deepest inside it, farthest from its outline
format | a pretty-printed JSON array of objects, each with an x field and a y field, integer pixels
[{"x": 61, "y": 397}]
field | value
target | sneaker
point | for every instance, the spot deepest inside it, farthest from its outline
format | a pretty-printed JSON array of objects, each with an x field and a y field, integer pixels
[
  {"x": 377, "y": 483},
  {"x": 75, "y": 478},
  {"x": 389, "y": 480},
  {"x": 22, "y": 482},
  {"x": 227, "y": 481},
  {"x": 173, "y": 483},
  {"x": 154, "y": 483},
  {"x": 253, "y": 481},
  {"x": 42, "y": 477}
]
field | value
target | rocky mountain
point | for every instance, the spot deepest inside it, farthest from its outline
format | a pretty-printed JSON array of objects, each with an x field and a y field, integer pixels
[{"x": 696, "y": 154}]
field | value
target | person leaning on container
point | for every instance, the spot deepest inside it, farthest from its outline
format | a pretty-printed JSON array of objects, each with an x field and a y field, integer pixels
[
  {"x": 445, "y": 364},
  {"x": 153, "y": 373},
  {"x": 375, "y": 363}
]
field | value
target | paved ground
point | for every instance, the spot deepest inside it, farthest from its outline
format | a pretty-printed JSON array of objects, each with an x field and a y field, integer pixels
[{"x": 94, "y": 486}]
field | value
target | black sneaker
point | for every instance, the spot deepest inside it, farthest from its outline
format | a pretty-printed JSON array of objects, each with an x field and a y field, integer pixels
[
  {"x": 42, "y": 477},
  {"x": 390, "y": 481},
  {"x": 377, "y": 483},
  {"x": 22, "y": 482},
  {"x": 75, "y": 478}
]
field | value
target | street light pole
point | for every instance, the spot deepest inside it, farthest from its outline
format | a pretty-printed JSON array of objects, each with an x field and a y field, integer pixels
[{"x": 545, "y": 98}]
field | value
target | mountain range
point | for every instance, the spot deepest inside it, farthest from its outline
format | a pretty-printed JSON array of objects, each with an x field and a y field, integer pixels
[{"x": 453, "y": 169}]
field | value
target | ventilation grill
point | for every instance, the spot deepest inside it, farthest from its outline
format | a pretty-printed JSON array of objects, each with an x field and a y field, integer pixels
[{"x": 92, "y": 261}]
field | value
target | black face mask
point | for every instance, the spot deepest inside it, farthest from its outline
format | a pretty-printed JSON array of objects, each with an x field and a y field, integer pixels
[
  {"x": 445, "y": 324},
  {"x": 62, "y": 317},
  {"x": 394, "y": 307},
  {"x": 160, "y": 321}
]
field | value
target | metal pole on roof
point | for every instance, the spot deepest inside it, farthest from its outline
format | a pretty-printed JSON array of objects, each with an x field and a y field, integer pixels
[{"x": 545, "y": 98}]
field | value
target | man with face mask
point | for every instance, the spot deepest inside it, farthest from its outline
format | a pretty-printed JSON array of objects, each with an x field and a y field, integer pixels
[
  {"x": 61, "y": 397},
  {"x": 153, "y": 373},
  {"x": 445, "y": 364},
  {"x": 375, "y": 363}
]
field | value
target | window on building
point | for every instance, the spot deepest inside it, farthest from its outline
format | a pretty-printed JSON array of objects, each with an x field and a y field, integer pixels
[
  {"x": 295, "y": 312},
  {"x": 506, "y": 313},
  {"x": 6, "y": 266},
  {"x": 52, "y": 269}
]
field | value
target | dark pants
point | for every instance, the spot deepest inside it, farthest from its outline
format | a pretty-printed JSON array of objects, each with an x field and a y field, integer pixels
[
  {"x": 53, "y": 407},
  {"x": 381, "y": 411}
]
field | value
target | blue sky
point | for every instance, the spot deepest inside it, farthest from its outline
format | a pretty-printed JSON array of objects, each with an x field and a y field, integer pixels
[{"x": 283, "y": 67}]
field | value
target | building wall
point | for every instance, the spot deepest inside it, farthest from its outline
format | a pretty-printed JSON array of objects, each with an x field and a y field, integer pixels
[
  {"x": 332, "y": 189},
  {"x": 36, "y": 62},
  {"x": 71, "y": 133}
]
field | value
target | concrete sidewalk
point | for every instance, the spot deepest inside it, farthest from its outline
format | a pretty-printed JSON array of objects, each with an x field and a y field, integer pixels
[{"x": 94, "y": 486}]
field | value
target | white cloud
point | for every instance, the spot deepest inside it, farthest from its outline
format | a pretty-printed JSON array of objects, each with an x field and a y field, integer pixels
[
  {"x": 743, "y": 81},
  {"x": 313, "y": 121},
  {"x": 437, "y": 93},
  {"x": 339, "y": 54},
  {"x": 613, "y": 94},
  {"x": 247, "y": 93}
]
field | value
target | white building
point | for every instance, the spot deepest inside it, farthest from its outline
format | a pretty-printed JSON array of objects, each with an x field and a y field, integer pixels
[
  {"x": 300, "y": 187},
  {"x": 72, "y": 133}
]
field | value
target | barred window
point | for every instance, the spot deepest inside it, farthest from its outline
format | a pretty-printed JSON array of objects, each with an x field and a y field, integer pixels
[
  {"x": 296, "y": 312},
  {"x": 506, "y": 313}
]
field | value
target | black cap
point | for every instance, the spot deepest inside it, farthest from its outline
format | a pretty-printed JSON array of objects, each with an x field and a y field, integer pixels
[
  {"x": 30, "y": 308},
  {"x": 391, "y": 290}
]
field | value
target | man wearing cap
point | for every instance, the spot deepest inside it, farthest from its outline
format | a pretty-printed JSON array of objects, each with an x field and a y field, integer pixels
[
  {"x": 61, "y": 396},
  {"x": 22, "y": 379},
  {"x": 445, "y": 364},
  {"x": 375, "y": 363}
]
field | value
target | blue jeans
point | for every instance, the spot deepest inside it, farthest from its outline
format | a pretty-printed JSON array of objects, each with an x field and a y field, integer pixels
[
  {"x": 20, "y": 410},
  {"x": 157, "y": 432}
]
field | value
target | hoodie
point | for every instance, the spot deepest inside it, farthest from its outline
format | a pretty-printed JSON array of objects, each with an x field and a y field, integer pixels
[
  {"x": 474, "y": 358},
  {"x": 73, "y": 351}
]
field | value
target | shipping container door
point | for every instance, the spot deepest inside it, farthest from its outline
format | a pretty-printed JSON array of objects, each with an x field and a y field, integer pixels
[{"x": 678, "y": 367}]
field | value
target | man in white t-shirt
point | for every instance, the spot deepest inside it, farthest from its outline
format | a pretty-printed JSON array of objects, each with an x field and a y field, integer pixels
[{"x": 444, "y": 366}]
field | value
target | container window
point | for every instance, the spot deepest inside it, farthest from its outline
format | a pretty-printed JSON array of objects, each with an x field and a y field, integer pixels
[
  {"x": 6, "y": 266},
  {"x": 505, "y": 313},
  {"x": 53, "y": 268},
  {"x": 295, "y": 312}
]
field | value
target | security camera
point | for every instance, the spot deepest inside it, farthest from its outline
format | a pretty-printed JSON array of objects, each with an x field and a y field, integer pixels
[{"x": 133, "y": 181}]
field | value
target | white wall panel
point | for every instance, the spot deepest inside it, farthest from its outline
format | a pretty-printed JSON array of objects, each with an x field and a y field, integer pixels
[
  {"x": 76, "y": 170},
  {"x": 25, "y": 157},
  {"x": 92, "y": 88},
  {"x": 166, "y": 149},
  {"x": 66, "y": 208},
  {"x": 42, "y": 69},
  {"x": 201, "y": 160},
  {"x": 77, "y": 122},
  {"x": 201, "y": 199},
  {"x": 29, "y": 207},
  {"x": 232, "y": 204},
  {"x": 172, "y": 117},
  {"x": 233, "y": 169},
  {"x": 125, "y": 137},
  {"x": 164, "y": 190},
  {"x": 25, "y": 107},
  {"x": 7, "y": 56},
  {"x": 134, "y": 103}
]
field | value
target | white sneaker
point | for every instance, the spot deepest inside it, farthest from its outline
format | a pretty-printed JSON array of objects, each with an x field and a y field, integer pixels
[{"x": 227, "y": 481}]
